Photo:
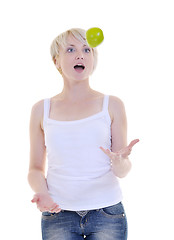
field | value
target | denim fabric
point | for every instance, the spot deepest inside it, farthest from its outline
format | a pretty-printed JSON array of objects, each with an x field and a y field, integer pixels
[{"x": 109, "y": 223}]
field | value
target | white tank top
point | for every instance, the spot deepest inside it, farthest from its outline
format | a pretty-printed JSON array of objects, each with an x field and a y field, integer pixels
[{"x": 79, "y": 175}]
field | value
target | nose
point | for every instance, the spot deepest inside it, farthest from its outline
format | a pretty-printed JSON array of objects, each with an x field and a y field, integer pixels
[{"x": 79, "y": 56}]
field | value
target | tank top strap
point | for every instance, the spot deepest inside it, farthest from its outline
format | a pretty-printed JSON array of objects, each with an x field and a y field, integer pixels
[
  {"x": 105, "y": 108},
  {"x": 105, "y": 103},
  {"x": 46, "y": 108}
]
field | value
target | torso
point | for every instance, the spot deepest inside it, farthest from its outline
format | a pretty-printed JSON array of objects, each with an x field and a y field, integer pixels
[{"x": 62, "y": 111}]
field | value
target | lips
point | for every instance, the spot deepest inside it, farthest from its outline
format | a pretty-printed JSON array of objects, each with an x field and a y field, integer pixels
[{"x": 79, "y": 67}]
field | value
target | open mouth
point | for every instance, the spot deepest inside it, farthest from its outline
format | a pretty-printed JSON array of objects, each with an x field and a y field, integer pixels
[{"x": 79, "y": 67}]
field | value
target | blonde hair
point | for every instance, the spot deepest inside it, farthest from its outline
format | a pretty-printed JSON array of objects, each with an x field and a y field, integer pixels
[{"x": 61, "y": 40}]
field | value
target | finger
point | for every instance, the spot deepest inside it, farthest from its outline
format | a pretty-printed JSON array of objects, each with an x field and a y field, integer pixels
[
  {"x": 125, "y": 152},
  {"x": 104, "y": 150},
  {"x": 35, "y": 199},
  {"x": 53, "y": 207},
  {"x": 132, "y": 143},
  {"x": 107, "y": 152},
  {"x": 43, "y": 209},
  {"x": 56, "y": 209}
]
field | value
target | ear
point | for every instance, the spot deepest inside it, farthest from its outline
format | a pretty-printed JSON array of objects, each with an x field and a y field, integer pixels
[{"x": 56, "y": 61}]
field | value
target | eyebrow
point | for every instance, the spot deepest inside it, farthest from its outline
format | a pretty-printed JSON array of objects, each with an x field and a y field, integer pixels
[{"x": 72, "y": 45}]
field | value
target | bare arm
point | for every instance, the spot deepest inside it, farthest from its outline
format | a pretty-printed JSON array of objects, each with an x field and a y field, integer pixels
[
  {"x": 120, "y": 166},
  {"x": 36, "y": 174},
  {"x": 119, "y": 138}
]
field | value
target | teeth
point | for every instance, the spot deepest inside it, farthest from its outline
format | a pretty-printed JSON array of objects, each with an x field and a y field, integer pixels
[{"x": 79, "y": 65}]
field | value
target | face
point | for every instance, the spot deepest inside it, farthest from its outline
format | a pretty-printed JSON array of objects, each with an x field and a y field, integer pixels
[{"x": 75, "y": 59}]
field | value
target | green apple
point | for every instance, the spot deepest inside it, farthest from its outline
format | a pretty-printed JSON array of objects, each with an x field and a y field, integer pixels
[{"x": 94, "y": 37}]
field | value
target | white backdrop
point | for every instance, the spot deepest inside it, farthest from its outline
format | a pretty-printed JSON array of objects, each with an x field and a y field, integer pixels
[{"x": 136, "y": 63}]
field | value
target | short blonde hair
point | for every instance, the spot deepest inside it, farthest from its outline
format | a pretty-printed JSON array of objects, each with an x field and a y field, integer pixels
[{"x": 61, "y": 40}]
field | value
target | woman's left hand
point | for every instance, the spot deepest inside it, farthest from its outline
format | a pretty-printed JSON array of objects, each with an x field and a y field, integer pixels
[{"x": 121, "y": 154}]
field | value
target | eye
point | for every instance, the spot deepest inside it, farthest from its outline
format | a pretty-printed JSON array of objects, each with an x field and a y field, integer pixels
[
  {"x": 70, "y": 50},
  {"x": 87, "y": 50}
]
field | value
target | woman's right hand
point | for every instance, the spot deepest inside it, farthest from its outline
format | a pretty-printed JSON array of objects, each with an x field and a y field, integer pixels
[{"x": 45, "y": 203}]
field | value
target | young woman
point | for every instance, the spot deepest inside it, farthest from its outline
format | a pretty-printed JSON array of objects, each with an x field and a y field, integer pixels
[{"x": 83, "y": 134}]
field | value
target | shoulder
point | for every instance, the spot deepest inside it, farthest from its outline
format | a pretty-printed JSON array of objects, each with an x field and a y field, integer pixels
[
  {"x": 37, "y": 111},
  {"x": 37, "y": 107},
  {"x": 115, "y": 101},
  {"x": 117, "y": 107}
]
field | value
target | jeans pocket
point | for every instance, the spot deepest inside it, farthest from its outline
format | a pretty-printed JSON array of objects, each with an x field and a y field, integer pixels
[
  {"x": 48, "y": 215},
  {"x": 114, "y": 211}
]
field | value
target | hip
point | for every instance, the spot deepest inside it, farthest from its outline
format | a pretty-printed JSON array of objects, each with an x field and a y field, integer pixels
[{"x": 104, "y": 223}]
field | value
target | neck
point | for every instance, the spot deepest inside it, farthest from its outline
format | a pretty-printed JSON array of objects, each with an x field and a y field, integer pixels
[{"x": 76, "y": 91}]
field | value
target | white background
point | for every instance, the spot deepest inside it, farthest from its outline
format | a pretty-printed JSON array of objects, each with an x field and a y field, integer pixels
[{"x": 136, "y": 63}]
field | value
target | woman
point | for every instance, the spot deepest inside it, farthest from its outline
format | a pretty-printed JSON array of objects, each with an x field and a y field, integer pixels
[{"x": 83, "y": 133}]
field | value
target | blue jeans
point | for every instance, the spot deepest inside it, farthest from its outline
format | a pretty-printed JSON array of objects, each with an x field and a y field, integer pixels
[{"x": 109, "y": 223}]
